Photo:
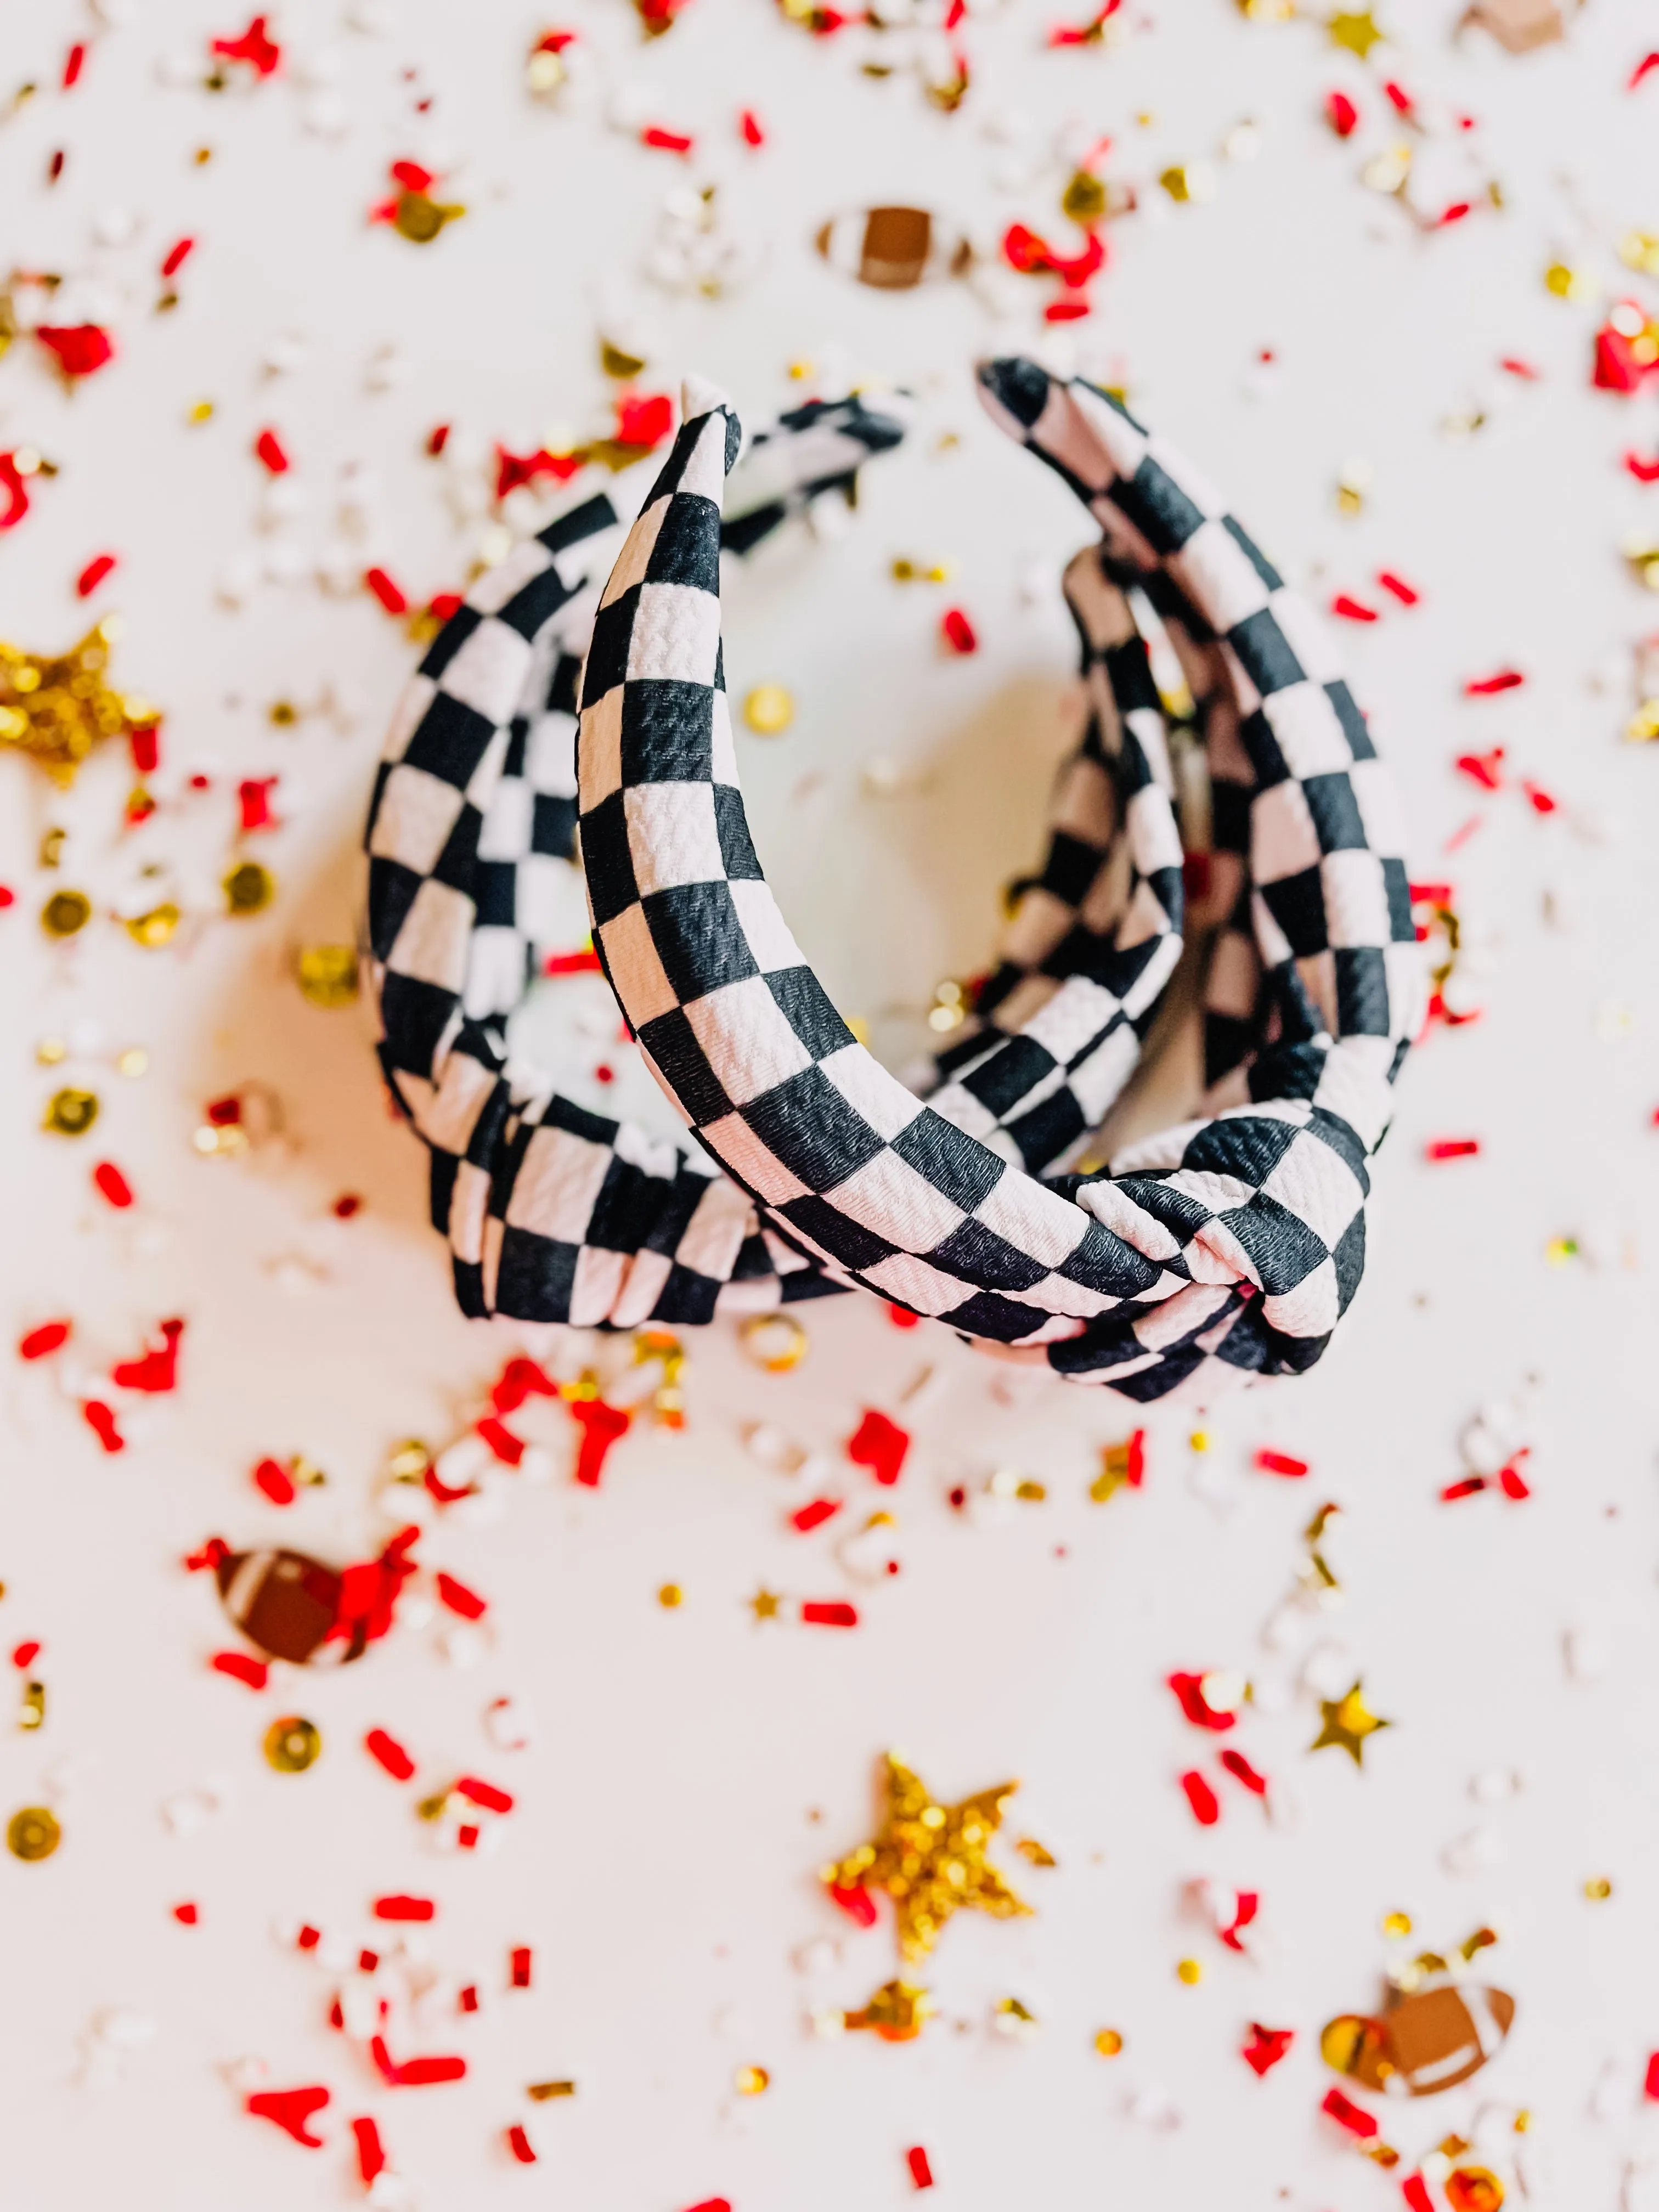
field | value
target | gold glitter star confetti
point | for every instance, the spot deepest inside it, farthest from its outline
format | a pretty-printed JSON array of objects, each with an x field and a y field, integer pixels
[
  {"x": 1348, "y": 1721},
  {"x": 764, "y": 1605},
  {"x": 931, "y": 1859},
  {"x": 896, "y": 2012},
  {"x": 1356, "y": 29},
  {"x": 57, "y": 706}
]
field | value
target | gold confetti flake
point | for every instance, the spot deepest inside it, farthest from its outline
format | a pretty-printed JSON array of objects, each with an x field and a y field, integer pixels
[
  {"x": 134, "y": 1061},
  {"x": 1109, "y": 2042},
  {"x": 327, "y": 974},
  {"x": 669, "y": 1597},
  {"x": 292, "y": 1744},
  {"x": 65, "y": 914},
  {"x": 1085, "y": 197},
  {"x": 932, "y": 1859},
  {"x": 201, "y": 412},
  {"x": 764, "y": 1605},
  {"x": 616, "y": 361},
  {"x": 751, "y": 2081},
  {"x": 419, "y": 218},
  {"x": 70, "y": 1112},
  {"x": 155, "y": 929},
  {"x": 1640, "y": 249},
  {"x": 1598, "y": 1889},
  {"x": 1014, "y": 2019},
  {"x": 775, "y": 1342},
  {"x": 1396, "y": 1924},
  {"x": 896, "y": 2012},
  {"x": 1190, "y": 1972},
  {"x": 51, "y": 847},
  {"x": 409, "y": 1460},
  {"x": 544, "y": 2092},
  {"x": 769, "y": 710},
  {"x": 32, "y": 1712},
  {"x": 1567, "y": 282},
  {"x": 1354, "y": 29},
  {"x": 1348, "y": 1721},
  {"x": 51, "y": 1052},
  {"x": 248, "y": 888},
  {"x": 1034, "y": 1853},
  {"x": 282, "y": 713},
  {"x": 58, "y": 706},
  {"x": 33, "y": 1834}
]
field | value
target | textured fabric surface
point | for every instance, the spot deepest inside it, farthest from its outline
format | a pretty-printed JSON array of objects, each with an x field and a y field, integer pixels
[{"x": 1235, "y": 1241}]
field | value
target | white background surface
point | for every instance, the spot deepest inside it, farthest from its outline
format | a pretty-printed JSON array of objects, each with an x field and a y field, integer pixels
[{"x": 694, "y": 1769}]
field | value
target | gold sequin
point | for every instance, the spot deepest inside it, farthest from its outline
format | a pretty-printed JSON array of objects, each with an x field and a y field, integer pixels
[
  {"x": 775, "y": 1342},
  {"x": 157, "y": 927},
  {"x": 769, "y": 710},
  {"x": 750, "y": 2080},
  {"x": 65, "y": 913},
  {"x": 70, "y": 1112},
  {"x": 249, "y": 888},
  {"x": 33, "y": 1834},
  {"x": 1108, "y": 2042},
  {"x": 328, "y": 974},
  {"x": 1191, "y": 1972},
  {"x": 670, "y": 1596},
  {"x": 292, "y": 1744}
]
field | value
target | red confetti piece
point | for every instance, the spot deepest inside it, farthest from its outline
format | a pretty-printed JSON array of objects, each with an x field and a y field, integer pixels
[
  {"x": 275, "y": 1480},
  {"x": 1488, "y": 687},
  {"x": 1065, "y": 311},
  {"x": 1080, "y": 35},
  {"x": 1524, "y": 370},
  {"x": 157, "y": 1370},
  {"x": 400, "y": 1907},
  {"x": 1645, "y": 67},
  {"x": 1415, "y": 2191},
  {"x": 459, "y": 1599},
  {"x": 268, "y": 450},
  {"x": 1206, "y": 1806},
  {"x": 15, "y": 485},
  {"x": 1189, "y": 1691},
  {"x": 1484, "y": 769},
  {"x": 369, "y": 1589},
  {"x": 1398, "y": 587},
  {"x": 1398, "y": 97},
  {"x": 1617, "y": 368},
  {"x": 1511, "y": 1481},
  {"x": 112, "y": 1184},
  {"x": 390, "y": 1753},
  {"x": 571, "y": 963},
  {"x": 241, "y": 1668},
  {"x": 711, "y": 2205},
  {"x": 1352, "y": 610},
  {"x": 879, "y": 1444},
  {"x": 821, "y": 1614},
  {"x": 177, "y": 256},
  {"x": 1266, "y": 2047},
  {"x": 24, "y": 1655},
  {"x": 513, "y": 469},
  {"x": 45, "y": 1339},
  {"x": 1247, "y": 1904},
  {"x": 413, "y": 176},
  {"x": 1650, "y": 2081},
  {"x": 748, "y": 126},
  {"x": 520, "y": 1967},
  {"x": 1643, "y": 471},
  {"x": 814, "y": 1515},
  {"x": 1242, "y": 1771},
  {"x": 921, "y": 2173},
  {"x": 665, "y": 141},
  {"x": 1347, "y": 2114},
  {"x": 93, "y": 574},
  {"x": 389, "y": 594},
  {"x": 371, "y": 2155},
  {"x": 484, "y": 1794},
  {"x": 254, "y": 46},
  {"x": 208, "y": 1558},
  {"x": 1034, "y": 257},
  {"x": 508, "y": 1448},
  {"x": 308, "y": 1938},
  {"x": 224, "y": 1113},
  {"x": 855, "y": 1901},
  {"x": 957, "y": 631},
  {"x": 346, "y": 1208},
  {"x": 1341, "y": 114},
  {"x": 1541, "y": 801},
  {"x": 79, "y": 349},
  {"x": 186, "y": 1915},
  {"x": 1452, "y": 1148},
  {"x": 644, "y": 419},
  {"x": 468, "y": 1998},
  {"x": 254, "y": 797},
  {"x": 901, "y": 1318},
  {"x": 1279, "y": 1462},
  {"x": 521, "y": 1379},
  {"x": 416, "y": 2072},
  {"x": 443, "y": 606},
  {"x": 601, "y": 1427},
  {"x": 1470, "y": 1486},
  {"x": 291, "y": 2110},
  {"x": 521, "y": 2145},
  {"x": 101, "y": 1421},
  {"x": 74, "y": 62}
]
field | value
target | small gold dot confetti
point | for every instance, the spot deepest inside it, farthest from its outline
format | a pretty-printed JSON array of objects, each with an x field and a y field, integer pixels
[
  {"x": 1085, "y": 197},
  {"x": 1034, "y": 1853},
  {"x": 1191, "y": 1972},
  {"x": 750, "y": 2080},
  {"x": 419, "y": 218},
  {"x": 544, "y": 2092},
  {"x": 327, "y": 974},
  {"x": 931, "y": 1859},
  {"x": 1569, "y": 283},
  {"x": 282, "y": 713},
  {"x": 1348, "y": 1721},
  {"x": 33, "y": 1711},
  {"x": 544, "y": 73},
  {"x": 201, "y": 412},
  {"x": 1396, "y": 1923},
  {"x": 1108, "y": 2042},
  {"x": 292, "y": 1744},
  {"x": 33, "y": 1834},
  {"x": 1016, "y": 2021},
  {"x": 1642, "y": 727},
  {"x": 769, "y": 710},
  {"x": 775, "y": 1342},
  {"x": 1354, "y": 29},
  {"x": 670, "y": 1596},
  {"x": 1598, "y": 1889},
  {"x": 1559, "y": 1249},
  {"x": 1353, "y": 482},
  {"x": 249, "y": 888},
  {"x": 1200, "y": 1441},
  {"x": 410, "y": 1462},
  {"x": 65, "y": 913},
  {"x": 157, "y": 927},
  {"x": 70, "y": 1112},
  {"x": 51, "y": 847},
  {"x": 51, "y": 1052}
]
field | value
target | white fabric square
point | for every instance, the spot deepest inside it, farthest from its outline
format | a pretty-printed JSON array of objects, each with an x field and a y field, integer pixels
[
  {"x": 676, "y": 634},
  {"x": 407, "y": 715},
  {"x": 1307, "y": 635},
  {"x": 488, "y": 672},
  {"x": 632, "y": 958},
  {"x": 504, "y": 833},
  {"x": 551, "y": 906},
  {"x": 550, "y": 754},
  {"x": 1318, "y": 1185},
  {"x": 1283, "y": 839},
  {"x": 673, "y": 834},
  {"x": 431, "y": 946},
  {"x": 599, "y": 1278},
  {"x": 710, "y": 1241},
  {"x": 558, "y": 1185},
  {"x": 528, "y": 559},
  {"x": 495, "y": 962},
  {"x": 469, "y": 1210},
  {"x": 746, "y": 1039},
  {"x": 1220, "y": 575},
  {"x": 417, "y": 812},
  {"x": 1304, "y": 724},
  {"x": 888, "y": 1196},
  {"x": 1356, "y": 898},
  {"x": 914, "y": 1283},
  {"x": 867, "y": 1087},
  {"x": 601, "y": 749},
  {"x": 765, "y": 929},
  {"x": 1035, "y": 1221},
  {"x": 731, "y": 1140},
  {"x": 635, "y": 556}
]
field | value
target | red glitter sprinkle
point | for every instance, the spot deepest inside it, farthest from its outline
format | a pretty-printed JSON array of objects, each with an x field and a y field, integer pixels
[
  {"x": 399, "y": 1907},
  {"x": 1452, "y": 1148},
  {"x": 1398, "y": 97},
  {"x": 275, "y": 1480},
  {"x": 521, "y": 1378},
  {"x": 1279, "y": 1462},
  {"x": 1488, "y": 687},
  {"x": 820, "y": 1615},
  {"x": 711, "y": 2205},
  {"x": 93, "y": 574},
  {"x": 1341, "y": 114},
  {"x": 268, "y": 449},
  {"x": 468, "y": 1998},
  {"x": 308, "y": 1938},
  {"x": 1415, "y": 2191},
  {"x": 1246, "y": 1904},
  {"x": 520, "y": 1967},
  {"x": 1352, "y": 610},
  {"x": 24, "y": 1654},
  {"x": 572, "y": 963},
  {"x": 901, "y": 1318},
  {"x": 387, "y": 592},
  {"x": 1645, "y": 67},
  {"x": 45, "y": 1339},
  {"x": 291, "y": 2110},
  {"x": 101, "y": 1421},
  {"x": 177, "y": 256},
  {"x": 1206, "y": 1806},
  {"x": 254, "y": 46},
  {"x": 665, "y": 141},
  {"x": 920, "y": 2171},
  {"x": 750, "y": 126},
  {"x": 390, "y": 1753},
  {"x": 1484, "y": 769},
  {"x": 112, "y": 1184},
  {"x": 459, "y": 1599},
  {"x": 186, "y": 1915},
  {"x": 1065, "y": 311},
  {"x": 879, "y": 1444},
  {"x": 1242, "y": 1771},
  {"x": 1266, "y": 2047},
  {"x": 254, "y": 797},
  {"x": 1643, "y": 471},
  {"x": 601, "y": 1427},
  {"x": 521, "y": 2145},
  {"x": 241, "y": 1668},
  {"x": 15, "y": 485},
  {"x": 1470, "y": 1486},
  {"x": 416, "y": 2072},
  {"x": 1511, "y": 1480},
  {"x": 958, "y": 632},
  {"x": 1651, "y": 2082},
  {"x": 74, "y": 63},
  {"x": 1347, "y": 2114},
  {"x": 79, "y": 349},
  {"x": 1406, "y": 594},
  {"x": 814, "y": 1515},
  {"x": 1196, "y": 1708},
  {"x": 644, "y": 418},
  {"x": 371, "y": 2155},
  {"x": 855, "y": 1901},
  {"x": 484, "y": 1794},
  {"x": 1083, "y": 34},
  {"x": 508, "y": 1448},
  {"x": 347, "y": 1206},
  {"x": 1541, "y": 801}
]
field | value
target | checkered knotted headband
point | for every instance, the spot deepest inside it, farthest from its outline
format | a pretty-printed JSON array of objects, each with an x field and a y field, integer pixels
[{"x": 1236, "y": 1240}]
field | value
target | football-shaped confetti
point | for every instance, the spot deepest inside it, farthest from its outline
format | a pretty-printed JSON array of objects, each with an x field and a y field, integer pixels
[
  {"x": 287, "y": 1604},
  {"x": 1429, "y": 2041},
  {"x": 893, "y": 248}
]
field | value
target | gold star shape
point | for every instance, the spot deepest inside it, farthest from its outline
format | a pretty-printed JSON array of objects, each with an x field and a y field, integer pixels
[
  {"x": 1348, "y": 1721},
  {"x": 764, "y": 1605},
  {"x": 896, "y": 2012},
  {"x": 931, "y": 1858},
  {"x": 1356, "y": 29},
  {"x": 57, "y": 706}
]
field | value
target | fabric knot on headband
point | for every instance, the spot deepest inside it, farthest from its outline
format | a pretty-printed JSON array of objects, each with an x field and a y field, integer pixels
[{"x": 1233, "y": 1243}]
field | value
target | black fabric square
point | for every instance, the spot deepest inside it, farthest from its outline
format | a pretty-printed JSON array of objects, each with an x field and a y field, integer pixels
[
  {"x": 986, "y": 1314},
  {"x": 667, "y": 732},
  {"x": 533, "y": 602},
  {"x": 849, "y": 1242},
  {"x": 586, "y": 520},
  {"x": 1343, "y": 1140},
  {"x": 469, "y": 1286},
  {"x": 450, "y": 740},
  {"x": 415, "y": 1015},
  {"x": 1103, "y": 1261},
  {"x": 449, "y": 641},
  {"x": 563, "y": 695},
  {"x": 457, "y": 865},
  {"x": 1049, "y": 1130},
  {"x": 536, "y": 1276},
  {"x": 699, "y": 940},
  {"x": 517, "y": 740},
  {"x": 1130, "y": 671},
  {"x": 1285, "y": 1071},
  {"x": 805, "y": 1005},
  {"x": 1349, "y": 1260},
  {"x": 673, "y": 1044},
  {"x": 553, "y": 825},
  {"x": 1226, "y": 1040},
  {"x": 739, "y": 532},
  {"x": 392, "y": 891},
  {"x": 977, "y": 1254},
  {"x": 808, "y": 1125},
  {"x": 495, "y": 886},
  {"x": 1265, "y": 654},
  {"x": 1296, "y": 903},
  {"x": 687, "y": 549},
  {"x": 1012, "y": 1069},
  {"x": 738, "y": 854},
  {"x": 1255, "y": 734},
  {"x": 1402, "y": 930},
  {"x": 1253, "y": 554},
  {"x": 607, "y": 862},
  {"x": 1352, "y": 721},
  {"x": 686, "y": 1299},
  {"x": 1182, "y": 1215},
  {"x": 1070, "y": 867},
  {"x": 956, "y": 1164},
  {"x": 1362, "y": 991},
  {"x": 1229, "y": 814},
  {"x": 607, "y": 655},
  {"x": 1158, "y": 507},
  {"x": 1335, "y": 812},
  {"x": 1280, "y": 1245},
  {"x": 1247, "y": 1146}
]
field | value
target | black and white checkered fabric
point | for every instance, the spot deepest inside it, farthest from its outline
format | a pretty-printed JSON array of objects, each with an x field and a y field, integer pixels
[
  {"x": 552, "y": 1212},
  {"x": 1235, "y": 1241}
]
